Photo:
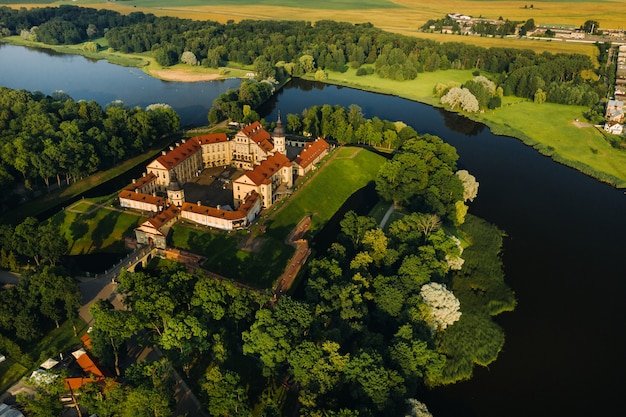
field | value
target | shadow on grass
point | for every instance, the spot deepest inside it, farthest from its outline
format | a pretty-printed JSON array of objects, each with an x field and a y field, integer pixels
[
  {"x": 78, "y": 229},
  {"x": 224, "y": 258},
  {"x": 104, "y": 228}
]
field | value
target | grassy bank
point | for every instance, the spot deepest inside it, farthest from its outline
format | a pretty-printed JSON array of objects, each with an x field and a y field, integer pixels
[
  {"x": 349, "y": 170},
  {"x": 553, "y": 130}
]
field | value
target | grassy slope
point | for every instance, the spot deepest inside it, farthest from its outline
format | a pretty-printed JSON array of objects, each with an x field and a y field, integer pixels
[
  {"x": 350, "y": 170},
  {"x": 552, "y": 130}
]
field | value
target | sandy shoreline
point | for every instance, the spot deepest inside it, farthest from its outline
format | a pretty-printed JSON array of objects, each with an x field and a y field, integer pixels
[{"x": 181, "y": 75}]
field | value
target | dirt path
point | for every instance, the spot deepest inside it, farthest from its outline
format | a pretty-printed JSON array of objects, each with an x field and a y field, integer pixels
[{"x": 298, "y": 259}]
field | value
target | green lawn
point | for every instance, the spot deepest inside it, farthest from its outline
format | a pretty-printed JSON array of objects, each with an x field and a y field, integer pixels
[
  {"x": 96, "y": 229},
  {"x": 224, "y": 258},
  {"x": 552, "y": 131},
  {"x": 350, "y": 170}
]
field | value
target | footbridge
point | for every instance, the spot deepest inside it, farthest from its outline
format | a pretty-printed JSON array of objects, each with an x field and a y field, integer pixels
[{"x": 140, "y": 256}]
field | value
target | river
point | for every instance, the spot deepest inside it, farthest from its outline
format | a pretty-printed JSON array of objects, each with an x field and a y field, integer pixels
[{"x": 563, "y": 254}]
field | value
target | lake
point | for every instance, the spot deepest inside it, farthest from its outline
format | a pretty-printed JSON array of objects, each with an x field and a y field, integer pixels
[
  {"x": 563, "y": 254},
  {"x": 84, "y": 79}
]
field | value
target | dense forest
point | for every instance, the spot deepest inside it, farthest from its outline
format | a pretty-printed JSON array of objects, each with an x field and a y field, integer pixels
[
  {"x": 45, "y": 294},
  {"x": 277, "y": 48},
  {"x": 385, "y": 311},
  {"x": 53, "y": 139}
]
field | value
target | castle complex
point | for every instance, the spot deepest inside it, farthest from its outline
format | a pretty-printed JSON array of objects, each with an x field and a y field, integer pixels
[{"x": 268, "y": 174}]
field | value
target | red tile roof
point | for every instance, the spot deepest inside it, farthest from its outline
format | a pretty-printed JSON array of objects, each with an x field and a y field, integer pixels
[
  {"x": 212, "y": 138},
  {"x": 144, "y": 198},
  {"x": 311, "y": 151},
  {"x": 262, "y": 174},
  {"x": 86, "y": 341},
  {"x": 255, "y": 132},
  {"x": 163, "y": 217},
  {"x": 240, "y": 213},
  {"x": 89, "y": 366},
  {"x": 141, "y": 182},
  {"x": 179, "y": 154},
  {"x": 94, "y": 372}
]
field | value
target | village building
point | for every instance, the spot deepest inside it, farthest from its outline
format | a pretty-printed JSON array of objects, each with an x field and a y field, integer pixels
[
  {"x": 312, "y": 153},
  {"x": 92, "y": 371},
  {"x": 614, "y": 128},
  {"x": 615, "y": 111},
  {"x": 155, "y": 230}
]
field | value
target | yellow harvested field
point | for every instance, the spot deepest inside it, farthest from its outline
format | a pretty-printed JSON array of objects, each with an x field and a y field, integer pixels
[
  {"x": 408, "y": 18},
  {"x": 610, "y": 14}
]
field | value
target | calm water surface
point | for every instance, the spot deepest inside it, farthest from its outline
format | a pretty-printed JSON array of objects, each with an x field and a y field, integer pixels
[
  {"x": 564, "y": 252},
  {"x": 84, "y": 79}
]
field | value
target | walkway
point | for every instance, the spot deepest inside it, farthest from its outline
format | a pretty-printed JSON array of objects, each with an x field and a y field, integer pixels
[
  {"x": 385, "y": 219},
  {"x": 299, "y": 257}
]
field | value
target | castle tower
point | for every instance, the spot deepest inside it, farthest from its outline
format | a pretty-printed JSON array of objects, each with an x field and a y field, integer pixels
[
  {"x": 279, "y": 137},
  {"x": 175, "y": 193}
]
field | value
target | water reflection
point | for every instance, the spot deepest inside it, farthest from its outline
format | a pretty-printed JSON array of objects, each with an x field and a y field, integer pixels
[{"x": 460, "y": 123}]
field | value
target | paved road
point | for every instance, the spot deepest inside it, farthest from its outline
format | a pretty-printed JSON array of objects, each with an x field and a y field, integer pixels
[{"x": 7, "y": 277}]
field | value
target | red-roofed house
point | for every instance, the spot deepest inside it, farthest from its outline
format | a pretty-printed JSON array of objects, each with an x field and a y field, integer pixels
[
  {"x": 265, "y": 179},
  {"x": 312, "y": 153},
  {"x": 251, "y": 145},
  {"x": 155, "y": 230},
  {"x": 139, "y": 201},
  {"x": 141, "y": 194},
  {"x": 185, "y": 159},
  {"x": 224, "y": 219},
  {"x": 215, "y": 150},
  {"x": 92, "y": 371}
]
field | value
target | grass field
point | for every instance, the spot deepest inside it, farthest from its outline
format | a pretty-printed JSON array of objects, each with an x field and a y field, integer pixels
[
  {"x": 349, "y": 170},
  {"x": 223, "y": 257},
  {"x": 90, "y": 227}
]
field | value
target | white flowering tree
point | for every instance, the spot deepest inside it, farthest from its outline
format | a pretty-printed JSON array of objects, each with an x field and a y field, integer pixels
[
  {"x": 470, "y": 185},
  {"x": 417, "y": 409},
  {"x": 189, "y": 58},
  {"x": 461, "y": 97},
  {"x": 489, "y": 85},
  {"x": 444, "y": 307}
]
